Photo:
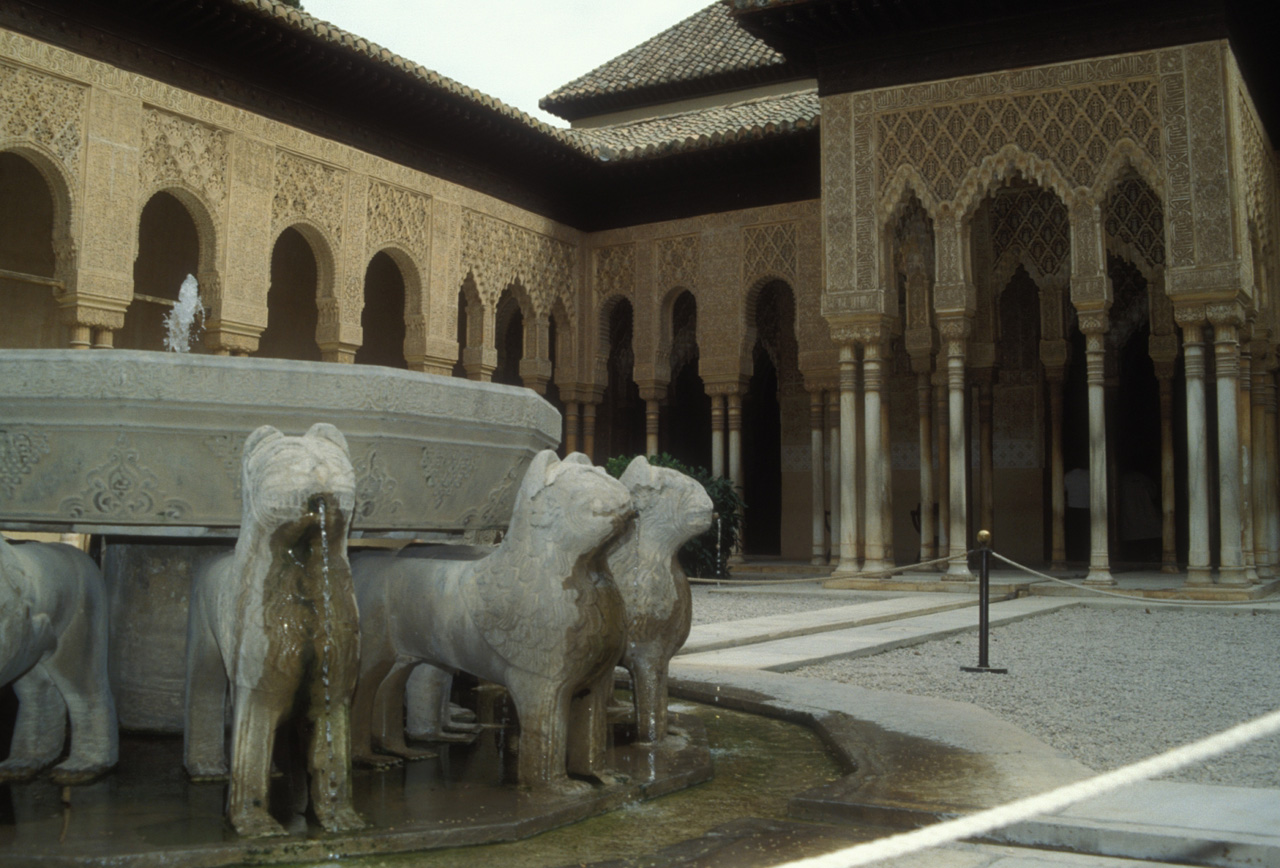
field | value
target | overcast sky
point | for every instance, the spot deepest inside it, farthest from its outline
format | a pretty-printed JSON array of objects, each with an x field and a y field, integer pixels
[{"x": 516, "y": 50}]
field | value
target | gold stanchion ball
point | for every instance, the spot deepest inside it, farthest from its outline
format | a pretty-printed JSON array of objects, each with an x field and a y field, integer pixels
[{"x": 984, "y": 536}]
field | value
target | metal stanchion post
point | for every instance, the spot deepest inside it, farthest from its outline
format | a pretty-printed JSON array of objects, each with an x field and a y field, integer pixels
[{"x": 984, "y": 604}]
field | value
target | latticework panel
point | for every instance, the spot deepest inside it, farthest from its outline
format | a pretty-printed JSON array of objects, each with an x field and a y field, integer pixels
[
  {"x": 1030, "y": 226},
  {"x": 1074, "y": 128},
  {"x": 1134, "y": 221}
]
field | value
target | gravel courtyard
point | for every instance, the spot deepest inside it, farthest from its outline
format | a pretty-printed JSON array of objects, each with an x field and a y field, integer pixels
[{"x": 1106, "y": 685}]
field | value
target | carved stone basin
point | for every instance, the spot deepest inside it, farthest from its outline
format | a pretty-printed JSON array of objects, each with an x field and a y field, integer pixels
[{"x": 145, "y": 443}]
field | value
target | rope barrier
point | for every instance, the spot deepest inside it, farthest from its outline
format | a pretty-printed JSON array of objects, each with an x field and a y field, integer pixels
[
  {"x": 981, "y": 823},
  {"x": 877, "y": 574},
  {"x": 1123, "y": 596}
]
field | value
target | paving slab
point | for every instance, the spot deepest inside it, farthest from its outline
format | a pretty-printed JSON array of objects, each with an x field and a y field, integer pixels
[
  {"x": 1231, "y": 827},
  {"x": 748, "y": 631},
  {"x": 781, "y": 655}
]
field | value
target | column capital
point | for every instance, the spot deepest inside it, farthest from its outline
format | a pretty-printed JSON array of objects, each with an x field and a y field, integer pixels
[
  {"x": 652, "y": 390},
  {"x": 862, "y": 330},
  {"x": 1228, "y": 315},
  {"x": 236, "y": 338},
  {"x": 733, "y": 386},
  {"x": 1093, "y": 321},
  {"x": 954, "y": 327}
]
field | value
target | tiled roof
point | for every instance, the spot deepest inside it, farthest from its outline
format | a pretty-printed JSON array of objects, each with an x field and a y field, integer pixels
[
  {"x": 701, "y": 54},
  {"x": 705, "y": 128},
  {"x": 298, "y": 20},
  {"x": 688, "y": 131}
]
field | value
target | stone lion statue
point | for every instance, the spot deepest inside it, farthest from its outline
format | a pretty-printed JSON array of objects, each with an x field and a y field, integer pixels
[
  {"x": 540, "y": 616},
  {"x": 276, "y": 622},
  {"x": 53, "y": 649},
  {"x": 671, "y": 509}
]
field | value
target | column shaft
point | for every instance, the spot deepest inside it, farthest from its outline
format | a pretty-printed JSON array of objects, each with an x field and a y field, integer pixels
[
  {"x": 1226, "y": 356},
  {"x": 959, "y": 566},
  {"x": 589, "y": 429},
  {"x": 717, "y": 435},
  {"x": 833, "y": 476},
  {"x": 848, "y": 460},
  {"x": 924, "y": 408},
  {"x": 818, "y": 477},
  {"x": 1168, "y": 531},
  {"x": 1197, "y": 457},
  {"x": 1260, "y": 396},
  {"x": 944, "y": 466},
  {"x": 572, "y": 410},
  {"x": 1095, "y": 363},
  {"x": 874, "y": 512},
  {"x": 651, "y": 420}
]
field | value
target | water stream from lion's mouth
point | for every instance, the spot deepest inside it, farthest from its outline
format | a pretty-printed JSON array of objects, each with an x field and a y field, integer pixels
[{"x": 326, "y": 599}]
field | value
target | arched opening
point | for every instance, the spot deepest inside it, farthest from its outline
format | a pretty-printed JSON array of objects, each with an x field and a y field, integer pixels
[
  {"x": 27, "y": 261},
  {"x": 292, "y": 314},
  {"x": 1020, "y": 510},
  {"x": 553, "y": 349},
  {"x": 620, "y": 419},
  {"x": 382, "y": 320},
  {"x": 686, "y": 426},
  {"x": 510, "y": 340},
  {"x": 168, "y": 250},
  {"x": 459, "y": 370},
  {"x": 1133, "y": 423},
  {"x": 1022, "y": 262},
  {"x": 774, "y": 409}
]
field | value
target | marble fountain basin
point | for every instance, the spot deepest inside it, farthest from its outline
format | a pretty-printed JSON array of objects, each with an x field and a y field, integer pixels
[{"x": 147, "y": 443}]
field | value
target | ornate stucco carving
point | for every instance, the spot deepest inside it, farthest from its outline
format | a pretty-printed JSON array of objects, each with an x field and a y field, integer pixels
[
  {"x": 183, "y": 152},
  {"x": 769, "y": 251},
  {"x": 678, "y": 261},
  {"x": 498, "y": 253},
  {"x": 615, "y": 271},
  {"x": 46, "y": 110},
  {"x": 1072, "y": 115},
  {"x": 396, "y": 215},
  {"x": 311, "y": 191}
]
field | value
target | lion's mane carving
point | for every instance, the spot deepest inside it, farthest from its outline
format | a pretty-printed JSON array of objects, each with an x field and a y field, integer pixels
[
  {"x": 277, "y": 621},
  {"x": 670, "y": 509},
  {"x": 540, "y": 615}
]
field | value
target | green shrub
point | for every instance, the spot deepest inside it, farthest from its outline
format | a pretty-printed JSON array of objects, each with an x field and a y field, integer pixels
[{"x": 698, "y": 556}]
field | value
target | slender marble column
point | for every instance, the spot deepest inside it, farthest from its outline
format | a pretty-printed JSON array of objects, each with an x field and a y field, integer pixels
[
  {"x": 818, "y": 476},
  {"x": 1226, "y": 357},
  {"x": 886, "y": 452},
  {"x": 1094, "y": 326},
  {"x": 1273, "y": 468},
  {"x": 848, "y": 459},
  {"x": 1197, "y": 456},
  {"x": 104, "y": 339},
  {"x": 872, "y": 375},
  {"x": 944, "y": 461},
  {"x": 1244, "y": 424},
  {"x": 1168, "y": 532},
  {"x": 924, "y": 408},
  {"x": 589, "y": 429},
  {"x": 651, "y": 420},
  {"x": 833, "y": 475},
  {"x": 717, "y": 435},
  {"x": 1261, "y": 394},
  {"x": 572, "y": 409},
  {"x": 986, "y": 456},
  {"x": 734, "y": 414},
  {"x": 1057, "y": 491},
  {"x": 954, "y": 336}
]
